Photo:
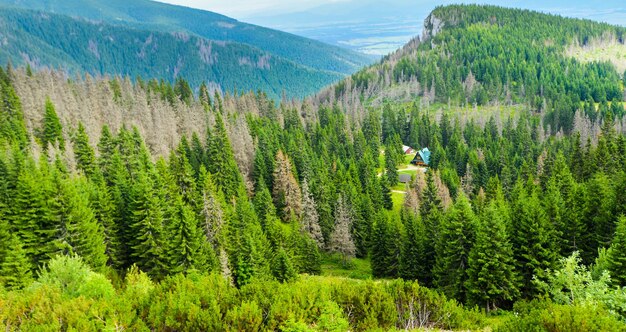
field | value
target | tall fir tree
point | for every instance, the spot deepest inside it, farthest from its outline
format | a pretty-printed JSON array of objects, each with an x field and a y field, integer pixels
[
  {"x": 221, "y": 161},
  {"x": 287, "y": 195},
  {"x": 15, "y": 267},
  {"x": 185, "y": 250},
  {"x": 413, "y": 257},
  {"x": 80, "y": 231},
  {"x": 146, "y": 228},
  {"x": 457, "y": 234},
  {"x": 617, "y": 254},
  {"x": 310, "y": 218},
  {"x": 534, "y": 250},
  {"x": 492, "y": 281},
  {"x": 83, "y": 152},
  {"x": 52, "y": 131},
  {"x": 386, "y": 246},
  {"x": 340, "y": 240}
]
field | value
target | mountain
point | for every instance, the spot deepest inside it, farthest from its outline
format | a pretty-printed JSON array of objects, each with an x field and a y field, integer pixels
[
  {"x": 156, "y": 40},
  {"x": 380, "y": 27},
  {"x": 471, "y": 55},
  {"x": 155, "y": 15},
  {"x": 124, "y": 206}
]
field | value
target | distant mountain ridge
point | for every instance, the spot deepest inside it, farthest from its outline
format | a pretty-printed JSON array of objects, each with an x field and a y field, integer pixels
[
  {"x": 152, "y": 15},
  {"x": 155, "y": 40}
]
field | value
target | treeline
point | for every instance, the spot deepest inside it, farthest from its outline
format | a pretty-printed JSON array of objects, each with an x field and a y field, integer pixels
[
  {"x": 485, "y": 54},
  {"x": 487, "y": 224}
]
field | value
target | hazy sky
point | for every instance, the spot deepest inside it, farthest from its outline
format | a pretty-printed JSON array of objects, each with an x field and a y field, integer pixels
[{"x": 244, "y": 8}]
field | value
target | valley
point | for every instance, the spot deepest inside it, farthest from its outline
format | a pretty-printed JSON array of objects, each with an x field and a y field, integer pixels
[{"x": 158, "y": 174}]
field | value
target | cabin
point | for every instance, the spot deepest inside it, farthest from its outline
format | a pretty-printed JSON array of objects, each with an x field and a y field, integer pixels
[
  {"x": 422, "y": 158},
  {"x": 407, "y": 149}
]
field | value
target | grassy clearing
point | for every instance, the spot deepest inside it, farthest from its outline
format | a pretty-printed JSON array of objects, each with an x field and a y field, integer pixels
[
  {"x": 398, "y": 201},
  {"x": 357, "y": 268}
]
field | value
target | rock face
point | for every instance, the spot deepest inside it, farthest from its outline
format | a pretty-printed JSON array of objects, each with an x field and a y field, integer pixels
[{"x": 432, "y": 26}]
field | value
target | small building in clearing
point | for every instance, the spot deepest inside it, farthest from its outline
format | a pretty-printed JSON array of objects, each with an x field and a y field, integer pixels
[
  {"x": 407, "y": 149},
  {"x": 422, "y": 158}
]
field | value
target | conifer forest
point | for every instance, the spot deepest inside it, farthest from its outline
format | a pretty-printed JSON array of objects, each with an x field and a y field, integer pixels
[{"x": 133, "y": 203}]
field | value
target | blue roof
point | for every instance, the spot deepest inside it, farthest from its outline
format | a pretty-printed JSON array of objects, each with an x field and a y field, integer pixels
[{"x": 425, "y": 154}]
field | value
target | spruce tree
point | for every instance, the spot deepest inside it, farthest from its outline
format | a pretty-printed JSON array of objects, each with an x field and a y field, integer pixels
[
  {"x": 386, "y": 246},
  {"x": 213, "y": 213},
  {"x": 492, "y": 281},
  {"x": 263, "y": 204},
  {"x": 534, "y": 250},
  {"x": 146, "y": 228},
  {"x": 81, "y": 233},
  {"x": 286, "y": 191},
  {"x": 340, "y": 240},
  {"x": 221, "y": 161},
  {"x": 457, "y": 234},
  {"x": 391, "y": 164},
  {"x": 617, "y": 254},
  {"x": 15, "y": 267},
  {"x": 282, "y": 268},
  {"x": 32, "y": 214},
  {"x": 185, "y": 241},
  {"x": 83, "y": 152},
  {"x": 106, "y": 149},
  {"x": 310, "y": 218},
  {"x": 52, "y": 131},
  {"x": 413, "y": 257}
]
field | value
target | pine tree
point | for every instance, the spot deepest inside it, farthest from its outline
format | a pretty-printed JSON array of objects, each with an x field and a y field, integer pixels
[
  {"x": 15, "y": 268},
  {"x": 12, "y": 125},
  {"x": 617, "y": 254},
  {"x": 183, "y": 176},
  {"x": 599, "y": 217},
  {"x": 310, "y": 218},
  {"x": 491, "y": 277},
  {"x": 52, "y": 131},
  {"x": 457, "y": 233},
  {"x": 83, "y": 152},
  {"x": 340, "y": 240}
]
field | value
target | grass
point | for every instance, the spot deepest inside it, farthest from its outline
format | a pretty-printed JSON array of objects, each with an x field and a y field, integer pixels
[
  {"x": 399, "y": 187},
  {"x": 356, "y": 268},
  {"x": 398, "y": 201}
]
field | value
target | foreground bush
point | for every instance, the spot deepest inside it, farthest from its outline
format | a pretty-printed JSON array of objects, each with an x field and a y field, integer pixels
[{"x": 69, "y": 296}]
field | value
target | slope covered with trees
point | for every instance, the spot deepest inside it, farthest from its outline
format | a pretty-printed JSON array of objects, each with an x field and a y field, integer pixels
[
  {"x": 153, "y": 15},
  {"x": 78, "y": 46},
  {"x": 227, "y": 226},
  {"x": 485, "y": 55}
]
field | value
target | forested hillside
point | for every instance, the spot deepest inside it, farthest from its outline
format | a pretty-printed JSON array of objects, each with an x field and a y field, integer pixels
[
  {"x": 152, "y": 15},
  {"x": 472, "y": 56},
  {"x": 161, "y": 209},
  {"x": 77, "y": 46}
]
